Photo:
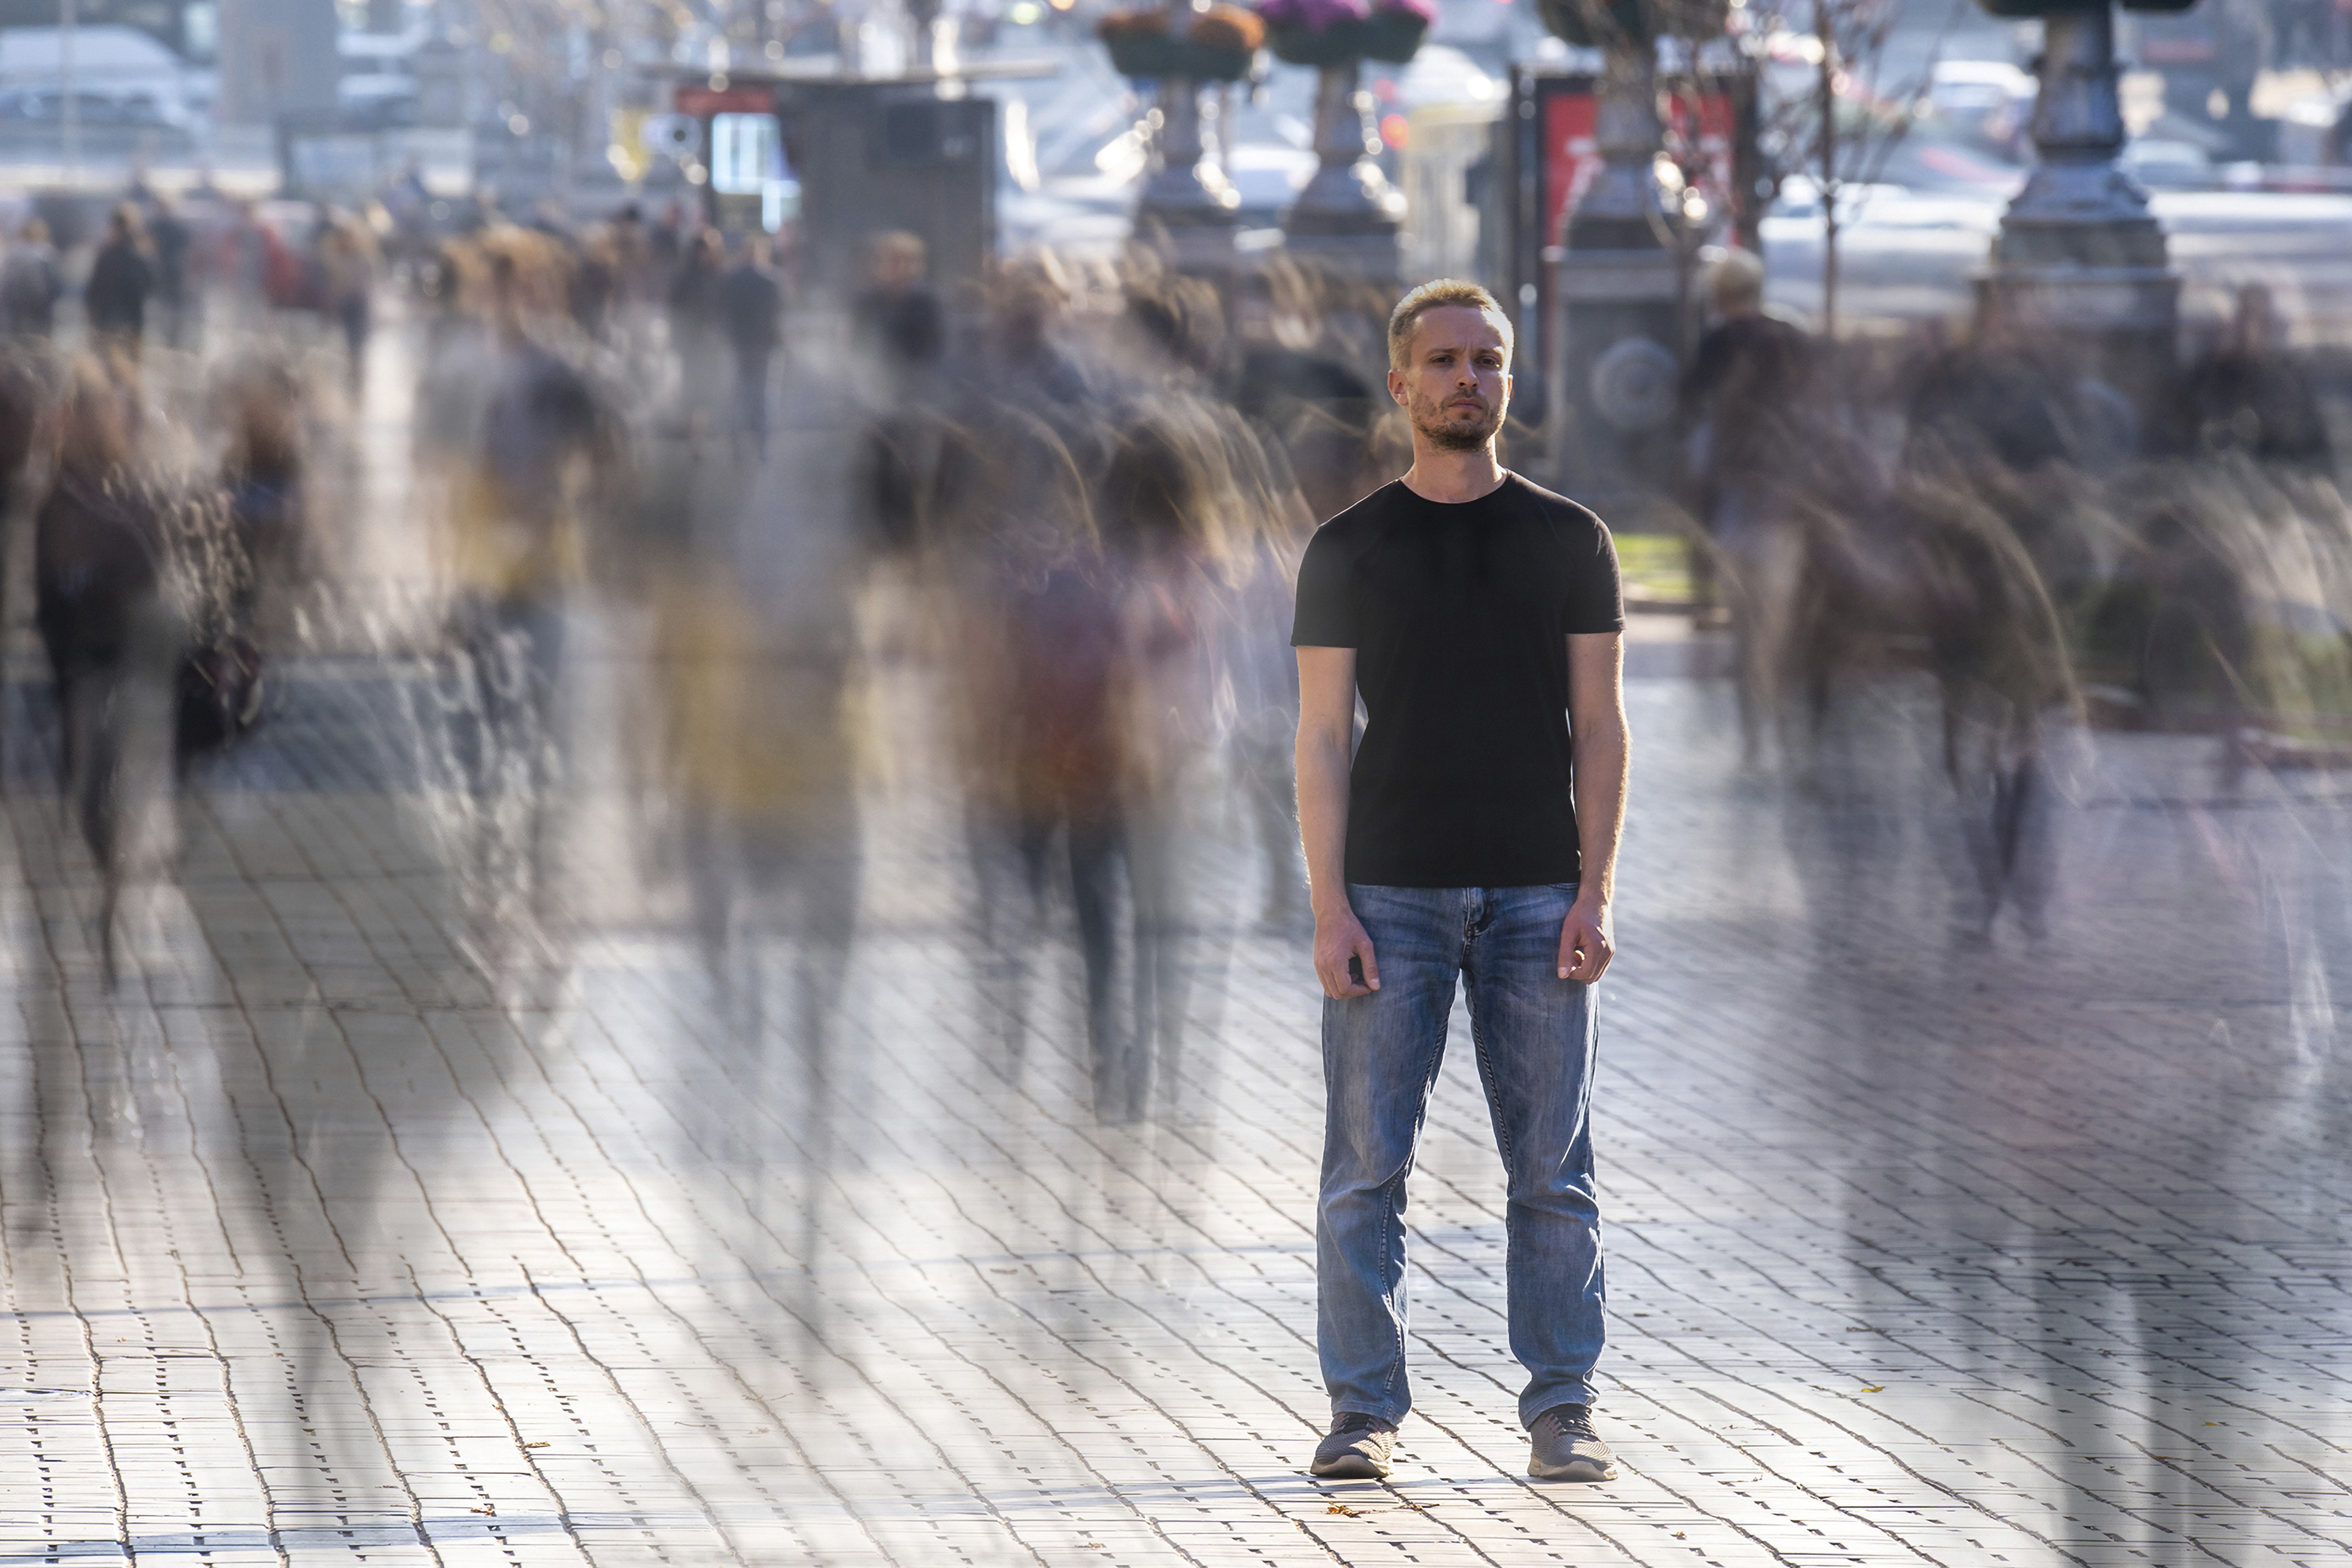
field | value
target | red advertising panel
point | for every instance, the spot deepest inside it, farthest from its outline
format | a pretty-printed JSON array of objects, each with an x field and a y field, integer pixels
[
  {"x": 1571, "y": 156},
  {"x": 1571, "y": 153}
]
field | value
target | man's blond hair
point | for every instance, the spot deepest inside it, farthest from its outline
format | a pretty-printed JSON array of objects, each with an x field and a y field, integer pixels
[
  {"x": 1435, "y": 295},
  {"x": 1737, "y": 283}
]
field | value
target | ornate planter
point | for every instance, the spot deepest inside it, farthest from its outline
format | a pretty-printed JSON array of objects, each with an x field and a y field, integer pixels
[
  {"x": 1599, "y": 24},
  {"x": 2051, "y": 7},
  {"x": 1216, "y": 45},
  {"x": 1155, "y": 57},
  {"x": 1187, "y": 206},
  {"x": 1393, "y": 37}
]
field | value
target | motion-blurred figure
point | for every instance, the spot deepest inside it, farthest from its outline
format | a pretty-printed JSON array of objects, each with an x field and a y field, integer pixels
[
  {"x": 169, "y": 234},
  {"x": 1746, "y": 406},
  {"x": 1997, "y": 646},
  {"x": 1319, "y": 406},
  {"x": 898, "y": 315},
  {"x": 2250, "y": 394},
  {"x": 346, "y": 258},
  {"x": 261, "y": 470},
  {"x": 1024, "y": 357},
  {"x": 596, "y": 284},
  {"x": 750, "y": 304},
  {"x": 30, "y": 285},
  {"x": 540, "y": 453},
  {"x": 1254, "y": 524},
  {"x": 121, "y": 278},
  {"x": 114, "y": 633},
  {"x": 900, "y": 333},
  {"x": 696, "y": 335}
]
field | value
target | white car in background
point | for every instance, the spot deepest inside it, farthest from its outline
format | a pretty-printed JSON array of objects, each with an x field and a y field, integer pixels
[{"x": 121, "y": 77}]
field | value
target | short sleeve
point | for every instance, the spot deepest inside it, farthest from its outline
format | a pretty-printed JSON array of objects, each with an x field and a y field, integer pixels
[
  {"x": 1596, "y": 595},
  {"x": 1325, "y": 613}
]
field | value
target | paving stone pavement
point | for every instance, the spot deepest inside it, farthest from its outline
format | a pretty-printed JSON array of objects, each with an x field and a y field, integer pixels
[
  {"x": 370, "y": 1220},
  {"x": 422, "y": 1195}
]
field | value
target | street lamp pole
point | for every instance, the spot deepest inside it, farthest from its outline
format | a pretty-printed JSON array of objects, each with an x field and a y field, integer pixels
[
  {"x": 69, "y": 100},
  {"x": 2079, "y": 259},
  {"x": 1187, "y": 202}
]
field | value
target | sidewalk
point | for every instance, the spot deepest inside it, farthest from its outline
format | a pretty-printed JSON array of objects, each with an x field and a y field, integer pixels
[{"x": 406, "y": 1205}]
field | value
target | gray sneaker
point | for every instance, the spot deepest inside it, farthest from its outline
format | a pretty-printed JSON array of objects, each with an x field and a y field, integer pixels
[
  {"x": 1567, "y": 1449},
  {"x": 1357, "y": 1449}
]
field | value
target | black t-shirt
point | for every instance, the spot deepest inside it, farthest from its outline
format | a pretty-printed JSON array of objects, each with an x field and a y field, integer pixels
[{"x": 1458, "y": 615}]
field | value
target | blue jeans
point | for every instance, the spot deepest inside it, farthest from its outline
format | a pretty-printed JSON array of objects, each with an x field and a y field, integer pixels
[{"x": 1535, "y": 1037}]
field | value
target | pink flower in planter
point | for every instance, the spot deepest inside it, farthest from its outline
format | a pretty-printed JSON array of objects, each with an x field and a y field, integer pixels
[{"x": 1314, "y": 16}]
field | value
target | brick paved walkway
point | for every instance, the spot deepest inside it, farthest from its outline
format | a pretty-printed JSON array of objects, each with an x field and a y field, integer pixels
[{"x": 376, "y": 1219}]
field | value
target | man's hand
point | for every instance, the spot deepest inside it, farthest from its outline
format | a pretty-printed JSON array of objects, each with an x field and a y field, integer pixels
[
  {"x": 1339, "y": 937},
  {"x": 1588, "y": 940}
]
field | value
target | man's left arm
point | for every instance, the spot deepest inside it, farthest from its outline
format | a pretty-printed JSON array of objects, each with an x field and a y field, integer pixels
[{"x": 1596, "y": 715}]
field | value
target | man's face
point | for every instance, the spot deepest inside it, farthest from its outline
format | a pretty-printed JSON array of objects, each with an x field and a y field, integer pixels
[{"x": 1455, "y": 383}]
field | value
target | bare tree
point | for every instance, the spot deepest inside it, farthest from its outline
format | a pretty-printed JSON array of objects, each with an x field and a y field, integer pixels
[{"x": 1844, "y": 128}]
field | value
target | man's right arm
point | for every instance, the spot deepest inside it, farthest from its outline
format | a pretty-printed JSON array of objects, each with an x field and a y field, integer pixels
[{"x": 1327, "y": 731}]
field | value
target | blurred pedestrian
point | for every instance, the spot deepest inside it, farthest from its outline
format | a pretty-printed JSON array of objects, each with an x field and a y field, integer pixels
[
  {"x": 898, "y": 314},
  {"x": 665, "y": 247},
  {"x": 749, "y": 304},
  {"x": 247, "y": 264},
  {"x": 543, "y": 458},
  {"x": 633, "y": 253},
  {"x": 171, "y": 238},
  {"x": 121, "y": 278},
  {"x": 1481, "y": 620},
  {"x": 1747, "y": 404},
  {"x": 694, "y": 330},
  {"x": 259, "y": 399},
  {"x": 2250, "y": 395},
  {"x": 346, "y": 254},
  {"x": 1026, "y": 355},
  {"x": 596, "y": 284},
  {"x": 30, "y": 284},
  {"x": 114, "y": 632}
]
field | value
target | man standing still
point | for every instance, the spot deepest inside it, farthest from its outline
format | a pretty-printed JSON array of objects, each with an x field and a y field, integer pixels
[{"x": 1481, "y": 618}]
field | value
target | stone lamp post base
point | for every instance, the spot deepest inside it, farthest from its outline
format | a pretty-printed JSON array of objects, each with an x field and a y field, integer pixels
[
  {"x": 1347, "y": 216},
  {"x": 1187, "y": 210},
  {"x": 2080, "y": 259},
  {"x": 1613, "y": 340}
]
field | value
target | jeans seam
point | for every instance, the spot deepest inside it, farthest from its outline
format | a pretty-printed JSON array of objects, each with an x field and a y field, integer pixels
[
  {"x": 1389, "y": 1223},
  {"x": 1494, "y": 1098}
]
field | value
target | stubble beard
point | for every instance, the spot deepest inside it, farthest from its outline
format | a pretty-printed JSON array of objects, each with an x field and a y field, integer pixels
[{"x": 1449, "y": 436}]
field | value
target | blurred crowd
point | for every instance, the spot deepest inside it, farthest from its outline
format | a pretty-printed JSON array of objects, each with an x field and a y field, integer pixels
[
  {"x": 1074, "y": 494},
  {"x": 2053, "y": 549},
  {"x": 1031, "y": 538}
]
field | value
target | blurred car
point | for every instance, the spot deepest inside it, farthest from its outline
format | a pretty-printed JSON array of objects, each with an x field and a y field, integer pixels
[
  {"x": 44, "y": 107},
  {"x": 377, "y": 100},
  {"x": 1989, "y": 103},
  {"x": 2166, "y": 165}
]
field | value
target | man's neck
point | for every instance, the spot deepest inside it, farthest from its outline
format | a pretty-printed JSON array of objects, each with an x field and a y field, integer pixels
[{"x": 1452, "y": 477}]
